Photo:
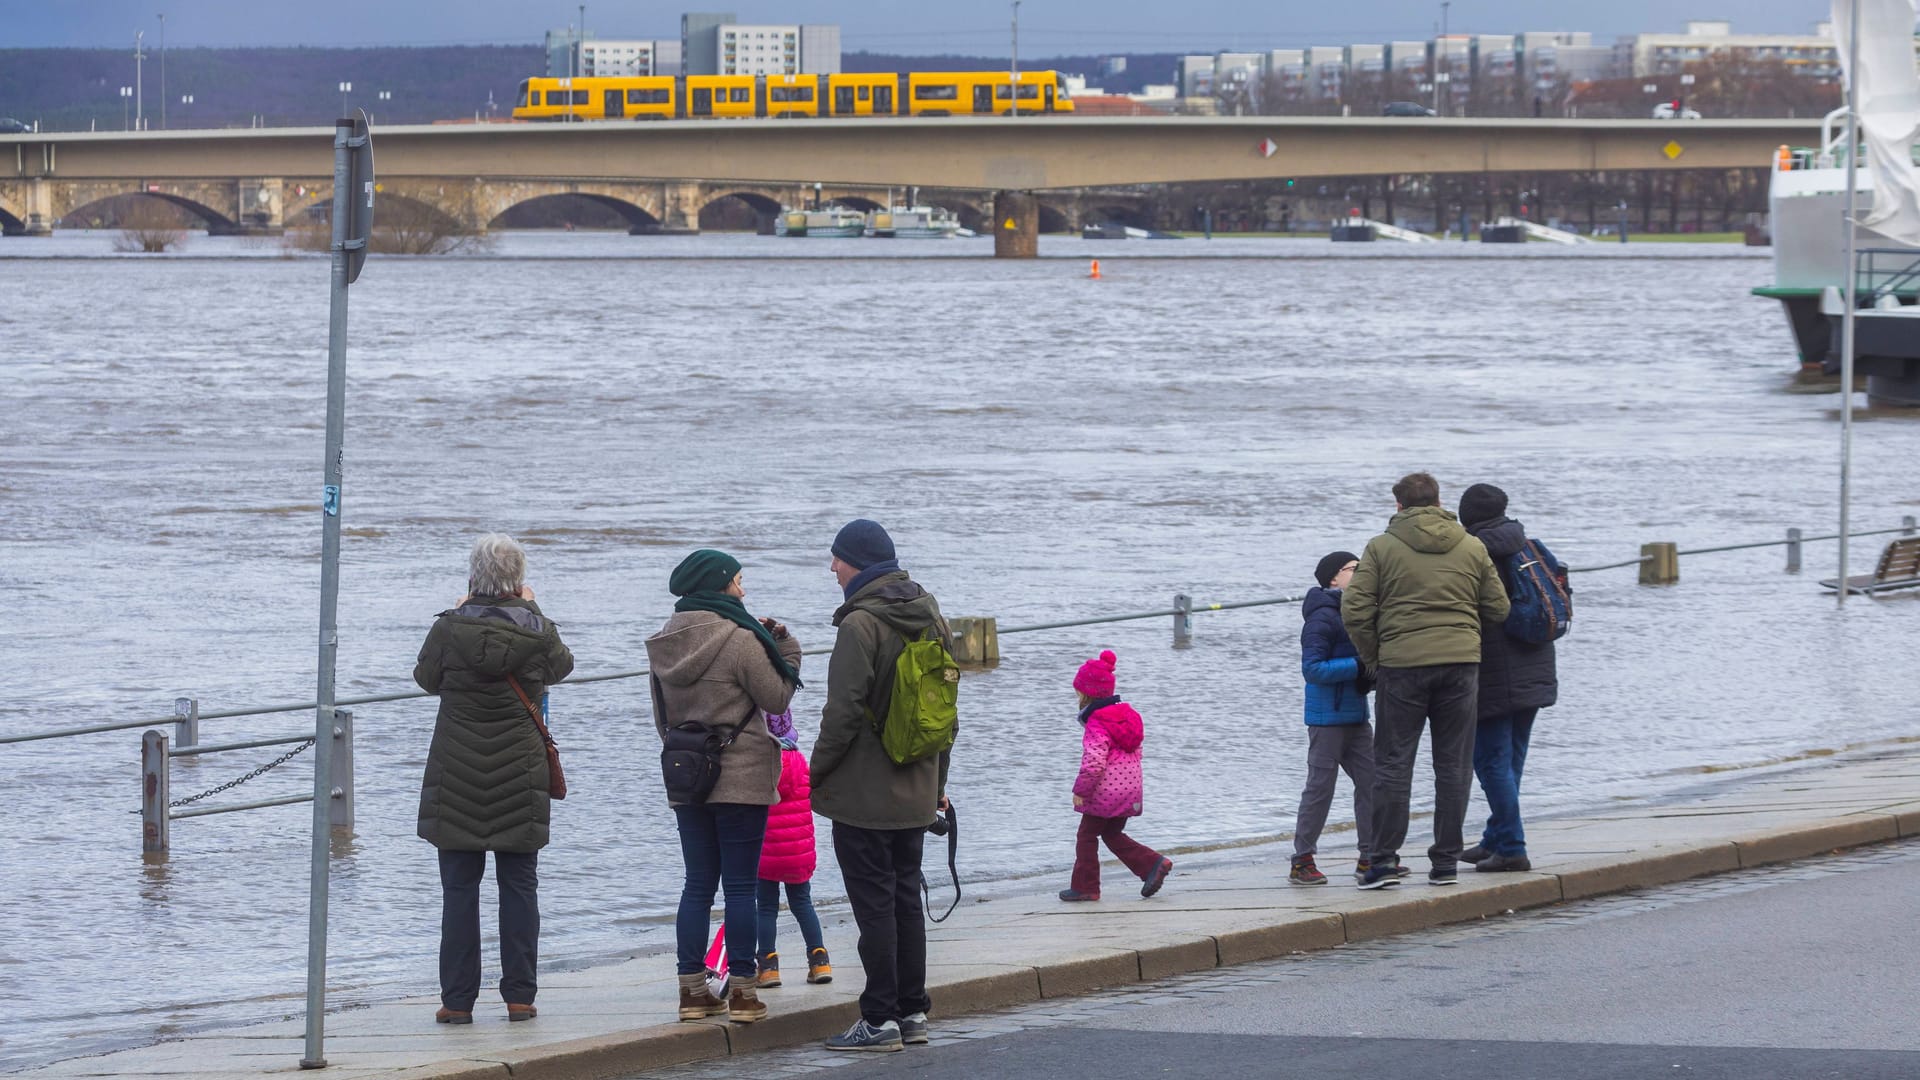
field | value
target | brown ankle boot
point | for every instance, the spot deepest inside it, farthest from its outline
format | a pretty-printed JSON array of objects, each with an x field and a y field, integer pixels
[
  {"x": 743, "y": 1001},
  {"x": 696, "y": 999}
]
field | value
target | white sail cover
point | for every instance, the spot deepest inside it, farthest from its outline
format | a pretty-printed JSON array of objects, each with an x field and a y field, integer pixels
[{"x": 1889, "y": 101}]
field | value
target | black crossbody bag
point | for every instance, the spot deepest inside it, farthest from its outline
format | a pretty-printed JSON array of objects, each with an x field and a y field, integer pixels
[{"x": 690, "y": 753}]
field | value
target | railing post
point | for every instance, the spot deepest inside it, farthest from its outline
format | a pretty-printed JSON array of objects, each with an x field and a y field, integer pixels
[
  {"x": 155, "y": 792},
  {"x": 1660, "y": 563},
  {"x": 1907, "y": 526},
  {"x": 1793, "y": 551},
  {"x": 976, "y": 641},
  {"x": 1182, "y": 620},
  {"x": 340, "y": 772},
  {"x": 186, "y": 725}
]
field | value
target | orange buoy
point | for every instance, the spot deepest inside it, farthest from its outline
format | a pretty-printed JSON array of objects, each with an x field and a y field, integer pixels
[{"x": 1095, "y": 273}]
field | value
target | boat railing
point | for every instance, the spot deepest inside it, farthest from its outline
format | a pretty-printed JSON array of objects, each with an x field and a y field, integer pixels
[{"x": 1886, "y": 272}]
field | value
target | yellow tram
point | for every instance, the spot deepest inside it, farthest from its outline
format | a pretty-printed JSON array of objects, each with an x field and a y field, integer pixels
[{"x": 682, "y": 97}]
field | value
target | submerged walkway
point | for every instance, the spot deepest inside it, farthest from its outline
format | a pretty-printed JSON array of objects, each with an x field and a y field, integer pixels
[{"x": 1022, "y": 944}]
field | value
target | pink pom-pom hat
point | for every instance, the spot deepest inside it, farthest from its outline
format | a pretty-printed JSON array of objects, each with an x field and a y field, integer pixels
[{"x": 1095, "y": 677}]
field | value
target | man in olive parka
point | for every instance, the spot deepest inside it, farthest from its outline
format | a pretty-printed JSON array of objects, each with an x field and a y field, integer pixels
[
  {"x": 1414, "y": 610},
  {"x": 880, "y": 811}
]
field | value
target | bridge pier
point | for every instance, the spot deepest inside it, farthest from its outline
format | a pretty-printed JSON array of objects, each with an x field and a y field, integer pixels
[
  {"x": 1016, "y": 225},
  {"x": 260, "y": 207},
  {"x": 679, "y": 209},
  {"x": 38, "y": 219}
]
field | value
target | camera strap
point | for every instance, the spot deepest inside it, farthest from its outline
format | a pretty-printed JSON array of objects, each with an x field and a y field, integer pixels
[{"x": 953, "y": 868}]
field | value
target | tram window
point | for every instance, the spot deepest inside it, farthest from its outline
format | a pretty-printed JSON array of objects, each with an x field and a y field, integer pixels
[
  {"x": 802, "y": 93},
  {"x": 523, "y": 99},
  {"x": 863, "y": 93},
  {"x": 1028, "y": 92},
  {"x": 648, "y": 97},
  {"x": 947, "y": 92},
  {"x": 740, "y": 93},
  {"x": 776, "y": 93}
]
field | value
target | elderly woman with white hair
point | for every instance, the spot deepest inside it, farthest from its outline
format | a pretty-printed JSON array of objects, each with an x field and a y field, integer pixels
[{"x": 487, "y": 786}]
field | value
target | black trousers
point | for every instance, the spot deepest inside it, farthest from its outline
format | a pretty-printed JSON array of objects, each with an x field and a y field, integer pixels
[
  {"x": 881, "y": 868},
  {"x": 519, "y": 880},
  {"x": 1405, "y": 701}
]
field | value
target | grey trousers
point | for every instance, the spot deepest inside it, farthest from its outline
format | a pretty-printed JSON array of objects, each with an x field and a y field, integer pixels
[
  {"x": 1331, "y": 749},
  {"x": 1406, "y": 700}
]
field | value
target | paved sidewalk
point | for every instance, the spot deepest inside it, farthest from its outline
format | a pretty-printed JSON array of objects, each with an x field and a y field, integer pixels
[{"x": 1225, "y": 907}]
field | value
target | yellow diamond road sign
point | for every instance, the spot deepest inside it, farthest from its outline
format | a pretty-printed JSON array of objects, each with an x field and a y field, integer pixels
[{"x": 1672, "y": 150}]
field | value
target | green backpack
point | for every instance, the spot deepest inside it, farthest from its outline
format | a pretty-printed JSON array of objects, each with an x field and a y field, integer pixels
[{"x": 922, "y": 717}]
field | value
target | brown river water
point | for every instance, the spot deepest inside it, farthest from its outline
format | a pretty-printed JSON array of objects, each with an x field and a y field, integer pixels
[{"x": 1209, "y": 418}]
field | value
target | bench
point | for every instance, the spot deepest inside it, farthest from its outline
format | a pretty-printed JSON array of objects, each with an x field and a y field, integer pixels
[{"x": 1899, "y": 568}]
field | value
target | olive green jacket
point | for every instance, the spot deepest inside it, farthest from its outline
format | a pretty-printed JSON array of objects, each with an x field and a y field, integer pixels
[
  {"x": 486, "y": 784},
  {"x": 1420, "y": 593},
  {"x": 854, "y": 781},
  {"x": 714, "y": 672}
]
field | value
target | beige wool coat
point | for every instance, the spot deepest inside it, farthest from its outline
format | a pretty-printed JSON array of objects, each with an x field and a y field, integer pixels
[{"x": 714, "y": 672}]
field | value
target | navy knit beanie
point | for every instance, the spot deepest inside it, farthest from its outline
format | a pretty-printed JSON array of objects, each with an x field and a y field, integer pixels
[
  {"x": 1482, "y": 502},
  {"x": 861, "y": 543},
  {"x": 1332, "y": 564}
]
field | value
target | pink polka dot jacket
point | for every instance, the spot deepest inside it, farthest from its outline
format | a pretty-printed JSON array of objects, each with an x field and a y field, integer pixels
[
  {"x": 787, "y": 854},
  {"x": 1110, "y": 781}
]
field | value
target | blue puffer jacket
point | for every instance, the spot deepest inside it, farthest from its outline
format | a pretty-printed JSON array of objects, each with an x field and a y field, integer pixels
[{"x": 1328, "y": 660}]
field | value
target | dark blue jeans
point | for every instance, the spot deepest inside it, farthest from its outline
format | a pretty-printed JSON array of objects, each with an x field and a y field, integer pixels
[
  {"x": 1499, "y": 757},
  {"x": 720, "y": 844},
  {"x": 800, "y": 903}
]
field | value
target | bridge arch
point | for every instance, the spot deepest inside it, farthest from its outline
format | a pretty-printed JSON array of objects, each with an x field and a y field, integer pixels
[
  {"x": 600, "y": 211},
  {"x": 12, "y": 222},
  {"x": 1054, "y": 220},
  {"x": 728, "y": 209},
  {"x": 856, "y": 202},
  {"x": 120, "y": 206},
  {"x": 1130, "y": 214}
]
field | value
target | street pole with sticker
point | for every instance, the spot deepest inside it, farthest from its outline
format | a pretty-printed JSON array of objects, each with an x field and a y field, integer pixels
[{"x": 352, "y": 224}]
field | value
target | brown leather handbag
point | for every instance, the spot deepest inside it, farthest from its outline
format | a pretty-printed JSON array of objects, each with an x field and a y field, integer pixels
[{"x": 556, "y": 778}]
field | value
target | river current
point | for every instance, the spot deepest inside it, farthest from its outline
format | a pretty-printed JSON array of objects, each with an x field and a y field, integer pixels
[{"x": 1208, "y": 418}]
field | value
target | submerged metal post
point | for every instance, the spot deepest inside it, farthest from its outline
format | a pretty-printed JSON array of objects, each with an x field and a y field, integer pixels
[
  {"x": 340, "y": 772},
  {"x": 1793, "y": 551},
  {"x": 1182, "y": 620},
  {"x": 186, "y": 726},
  {"x": 155, "y": 792},
  {"x": 1852, "y": 291},
  {"x": 352, "y": 222},
  {"x": 1908, "y": 526}
]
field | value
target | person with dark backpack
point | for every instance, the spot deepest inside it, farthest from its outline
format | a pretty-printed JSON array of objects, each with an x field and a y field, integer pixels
[
  {"x": 880, "y": 773},
  {"x": 1517, "y": 670}
]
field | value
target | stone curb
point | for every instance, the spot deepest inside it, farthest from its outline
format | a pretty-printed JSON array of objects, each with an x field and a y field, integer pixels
[{"x": 1298, "y": 931}]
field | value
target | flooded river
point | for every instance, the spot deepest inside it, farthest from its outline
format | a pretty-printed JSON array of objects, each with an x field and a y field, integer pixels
[{"x": 1209, "y": 418}]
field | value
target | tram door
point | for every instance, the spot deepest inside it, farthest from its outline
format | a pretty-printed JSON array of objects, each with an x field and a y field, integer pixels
[
  {"x": 703, "y": 102},
  {"x": 883, "y": 101},
  {"x": 843, "y": 101},
  {"x": 982, "y": 99},
  {"x": 1049, "y": 93},
  {"x": 615, "y": 104}
]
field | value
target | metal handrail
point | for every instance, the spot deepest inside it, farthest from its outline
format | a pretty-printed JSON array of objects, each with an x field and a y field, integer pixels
[
  {"x": 215, "y": 748},
  {"x": 1159, "y": 613},
  {"x": 285, "y": 800}
]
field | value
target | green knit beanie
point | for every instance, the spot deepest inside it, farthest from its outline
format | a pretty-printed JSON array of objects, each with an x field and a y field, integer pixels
[{"x": 705, "y": 570}]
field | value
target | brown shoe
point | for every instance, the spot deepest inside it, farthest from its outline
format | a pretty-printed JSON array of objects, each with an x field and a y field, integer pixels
[
  {"x": 453, "y": 1016},
  {"x": 743, "y": 1002},
  {"x": 696, "y": 999},
  {"x": 521, "y": 1012}
]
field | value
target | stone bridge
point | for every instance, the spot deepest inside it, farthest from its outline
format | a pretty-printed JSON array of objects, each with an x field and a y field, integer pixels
[{"x": 267, "y": 205}]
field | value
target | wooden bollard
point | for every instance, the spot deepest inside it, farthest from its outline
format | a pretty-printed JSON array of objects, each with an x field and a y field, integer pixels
[
  {"x": 155, "y": 793},
  {"x": 976, "y": 641},
  {"x": 1660, "y": 563}
]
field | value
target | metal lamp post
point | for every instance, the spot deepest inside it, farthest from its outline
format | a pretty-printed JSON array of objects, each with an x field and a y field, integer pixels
[
  {"x": 185, "y": 100},
  {"x": 1851, "y": 290},
  {"x": 1686, "y": 80},
  {"x": 345, "y": 89},
  {"x": 139, "y": 82},
  {"x": 1014, "y": 61},
  {"x": 126, "y": 103},
  {"x": 163, "y": 71},
  {"x": 383, "y": 96}
]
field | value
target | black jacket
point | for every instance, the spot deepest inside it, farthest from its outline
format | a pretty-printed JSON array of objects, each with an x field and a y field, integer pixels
[{"x": 1514, "y": 674}]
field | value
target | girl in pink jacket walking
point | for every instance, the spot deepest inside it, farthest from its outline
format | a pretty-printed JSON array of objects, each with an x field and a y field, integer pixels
[
  {"x": 1108, "y": 790},
  {"x": 787, "y": 858}
]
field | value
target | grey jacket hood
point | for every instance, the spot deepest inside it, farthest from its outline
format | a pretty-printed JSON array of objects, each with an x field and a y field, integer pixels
[
  {"x": 688, "y": 646},
  {"x": 1429, "y": 529}
]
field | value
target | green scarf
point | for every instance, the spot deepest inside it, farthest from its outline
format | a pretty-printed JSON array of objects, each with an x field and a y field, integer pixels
[{"x": 698, "y": 582}]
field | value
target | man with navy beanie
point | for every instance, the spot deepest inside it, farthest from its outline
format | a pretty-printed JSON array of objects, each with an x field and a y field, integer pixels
[{"x": 880, "y": 811}]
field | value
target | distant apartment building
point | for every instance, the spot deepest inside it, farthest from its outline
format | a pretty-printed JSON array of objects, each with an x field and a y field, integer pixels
[
  {"x": 716, "y": 43},
  {"x": 1812, "y": 54},
  {"x": 567, "y": 54}
]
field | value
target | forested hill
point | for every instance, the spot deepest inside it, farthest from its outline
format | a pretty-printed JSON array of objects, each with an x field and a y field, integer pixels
[{"x": 70, "y": 89}]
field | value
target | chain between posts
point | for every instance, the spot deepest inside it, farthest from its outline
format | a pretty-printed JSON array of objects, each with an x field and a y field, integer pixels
[{"x": 231, "y": 784}]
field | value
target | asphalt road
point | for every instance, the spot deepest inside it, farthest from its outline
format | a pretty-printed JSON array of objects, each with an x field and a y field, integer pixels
[{"x": 1806, "y": 970}]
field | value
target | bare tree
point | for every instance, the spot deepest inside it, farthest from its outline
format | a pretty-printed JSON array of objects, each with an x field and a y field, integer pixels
[{"x": 150, "y": 226}]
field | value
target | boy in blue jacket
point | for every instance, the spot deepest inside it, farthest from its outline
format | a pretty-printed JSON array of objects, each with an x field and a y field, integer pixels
[{"x": 1338, "y": 735}]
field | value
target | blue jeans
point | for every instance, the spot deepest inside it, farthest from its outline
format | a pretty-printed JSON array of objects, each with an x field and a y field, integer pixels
[
  {"x": 1499, "y": 757},
  {"x": 720, "y": 844},
  {"x": 800, "y": 903}
]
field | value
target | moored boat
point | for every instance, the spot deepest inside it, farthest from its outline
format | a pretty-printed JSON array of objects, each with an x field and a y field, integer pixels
[{"x": 831, "y": 221}]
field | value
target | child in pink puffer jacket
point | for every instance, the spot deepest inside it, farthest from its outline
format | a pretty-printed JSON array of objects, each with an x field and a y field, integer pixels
[
  {"x": 1109, "y": 788},
  {"x": 787, "y": 858}
]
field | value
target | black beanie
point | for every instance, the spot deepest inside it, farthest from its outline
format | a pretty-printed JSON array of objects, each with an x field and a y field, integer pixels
[
  {"x": 1332, "y": 565},
  {"x": 1482, "y": 502},
  {"x": 861, "y": 543}
]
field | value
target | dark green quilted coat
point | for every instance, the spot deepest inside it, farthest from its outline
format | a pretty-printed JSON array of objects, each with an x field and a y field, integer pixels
[{"x": 486, "y": 783}]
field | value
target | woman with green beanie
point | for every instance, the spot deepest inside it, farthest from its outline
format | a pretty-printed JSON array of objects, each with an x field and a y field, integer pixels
[{"x": 715, "y": 665}]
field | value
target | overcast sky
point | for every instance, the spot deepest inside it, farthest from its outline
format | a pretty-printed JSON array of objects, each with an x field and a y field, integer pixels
[{"x": 1048, "y": 27}]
